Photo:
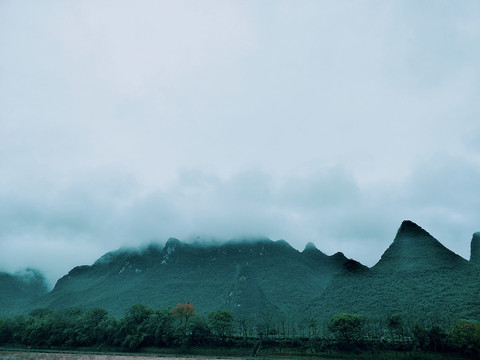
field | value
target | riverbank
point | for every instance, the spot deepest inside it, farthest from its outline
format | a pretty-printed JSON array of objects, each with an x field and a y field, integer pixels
[
  {"x": 53, "y": 355},
  {"x": 41, "y": 354}
]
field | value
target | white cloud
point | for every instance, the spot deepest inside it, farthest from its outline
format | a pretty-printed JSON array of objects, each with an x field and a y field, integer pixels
[{"x": 123, "y": 123}]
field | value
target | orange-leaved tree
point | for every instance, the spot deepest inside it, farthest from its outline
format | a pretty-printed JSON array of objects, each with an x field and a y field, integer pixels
[{"x": 184, "y": 312}]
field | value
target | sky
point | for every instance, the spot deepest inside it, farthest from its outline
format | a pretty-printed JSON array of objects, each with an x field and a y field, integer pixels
[{"x": 128, "y": 122}]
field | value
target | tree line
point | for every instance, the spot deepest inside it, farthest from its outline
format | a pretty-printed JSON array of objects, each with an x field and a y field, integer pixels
[{"x": 183, "y": 327}]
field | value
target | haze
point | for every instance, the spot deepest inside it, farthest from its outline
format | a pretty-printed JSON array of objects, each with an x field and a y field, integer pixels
[{"x": 127, "y": 122}]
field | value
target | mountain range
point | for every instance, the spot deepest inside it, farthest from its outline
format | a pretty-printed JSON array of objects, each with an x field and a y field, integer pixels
[{"x": 263, "y": 280}]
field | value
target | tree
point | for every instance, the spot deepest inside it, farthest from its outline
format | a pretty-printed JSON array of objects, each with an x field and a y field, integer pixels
[
  {"x": 11, "y": 330},
  {"x": 161, "y": 324},
  {"x": 312, "y": 327},
  {"x": 465, "y": 336},
  {"x": 395, "y": 325},
  {"x": 137, "y": 314},
  {"x": 92, "y": 326},
  {"x": 184, "y": 312},
  {"x": 133, "y": 332},
  {"x": 244, "y": 325},
  {"x": 200, "y": 332},
  {"x": 437, "y": 338},
  {"x": 348, "y": 328},
  {"x": 221, "y": 323},
  {"x": 40, "y": 313},
  {"x": 44, "y": 327},
  {"x": 420, "y": 334}
]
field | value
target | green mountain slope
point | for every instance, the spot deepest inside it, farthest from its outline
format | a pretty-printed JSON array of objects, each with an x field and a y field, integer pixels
[
  {"x": 416, "y": 276},
  {"x": 248, "y": 278},
  {"x": 414, "y": 249},
  {"x": 20, "y": 290},
  {"x": 265, "y": 279}
]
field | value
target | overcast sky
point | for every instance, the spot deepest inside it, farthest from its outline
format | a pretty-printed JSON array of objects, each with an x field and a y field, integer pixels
[{"x": 127, "y": 122}]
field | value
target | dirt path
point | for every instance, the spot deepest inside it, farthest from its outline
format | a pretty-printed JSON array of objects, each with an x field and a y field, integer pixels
[{"x": 19, "y": 355}]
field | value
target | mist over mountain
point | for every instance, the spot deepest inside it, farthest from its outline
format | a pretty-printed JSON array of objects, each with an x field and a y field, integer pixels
[
  {"x": 309, "y": 121},
  {"x": 20, "y": 290},
  {"x": 252, "y": 279},
  {"x": 263, "y": 279}
]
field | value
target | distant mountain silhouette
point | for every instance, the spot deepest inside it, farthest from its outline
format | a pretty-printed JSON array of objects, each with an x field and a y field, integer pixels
[
  {"x": 19, "y": 291},
  {"x": 414, "y": 249},
  {"x": 261, "y": 279},
  {"x": 416, "y": 275},
  {"x": 250, "y": 278}
]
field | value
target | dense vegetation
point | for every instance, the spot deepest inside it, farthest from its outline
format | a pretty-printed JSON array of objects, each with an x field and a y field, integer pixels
[{"x": 181, "y": 328}]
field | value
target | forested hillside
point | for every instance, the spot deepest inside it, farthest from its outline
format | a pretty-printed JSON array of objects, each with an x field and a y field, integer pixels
[
  {"x": 416, "y": 276},
  {"x": 255, "y": 279},
  {"x": 20, "y": 290},
  {"x": 269, "y": 281}
]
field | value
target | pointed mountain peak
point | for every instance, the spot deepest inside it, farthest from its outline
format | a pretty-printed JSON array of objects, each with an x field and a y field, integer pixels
[
  {"x": 475, "y": 248},
  {"x": 414, "y": 248},
  {"x": 339, "y": 257},
  {"x": 311, "y": 249},
  {"x": 410, "y": 229},
  {"x": 172, "y": 242},
  {"x": 320, "y": 258},
  {"x": 170, "y": 249},
  {"x": 283, "y": 243}
]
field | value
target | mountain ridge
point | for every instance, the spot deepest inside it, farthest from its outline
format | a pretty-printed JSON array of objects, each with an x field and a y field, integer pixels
[
  {"x": 415, "y": 275},
  {"x": 261, "y": 277},
  {"x": 163, "y": 277},
  {"x": 413, "y": 249}
]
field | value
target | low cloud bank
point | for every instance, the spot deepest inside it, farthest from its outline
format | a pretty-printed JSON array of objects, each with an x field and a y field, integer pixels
[{"x": 54, "y": 229}]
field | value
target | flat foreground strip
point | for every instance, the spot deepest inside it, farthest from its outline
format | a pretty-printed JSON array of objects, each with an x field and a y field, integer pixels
[{"x": 17, "y": 355}]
